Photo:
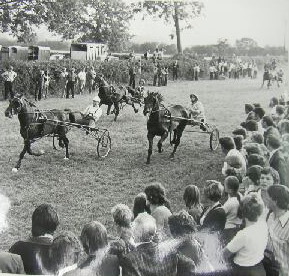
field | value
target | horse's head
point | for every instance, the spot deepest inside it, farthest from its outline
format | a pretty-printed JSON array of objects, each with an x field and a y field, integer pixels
[
  {"x": 151, "y": 102},
  {"x": 15, "y": 106}
]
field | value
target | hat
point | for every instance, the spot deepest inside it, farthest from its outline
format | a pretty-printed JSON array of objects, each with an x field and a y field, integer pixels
[
  {"x": 195, "y": 96},
  {"x": 96, "y": 99}
]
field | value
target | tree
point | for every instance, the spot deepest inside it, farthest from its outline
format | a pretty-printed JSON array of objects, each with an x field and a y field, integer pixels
[
  {"x": 245, "y": 44},
  {"x": 180, "y": 12},
  {"x": 222, "y": 46},
  {"x": 80, "y": 20}
]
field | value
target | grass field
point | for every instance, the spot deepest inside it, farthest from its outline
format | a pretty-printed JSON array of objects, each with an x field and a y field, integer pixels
[{"x": 84, "y": 188}]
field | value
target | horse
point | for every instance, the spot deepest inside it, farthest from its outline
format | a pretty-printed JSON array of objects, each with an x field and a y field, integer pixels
[
  {"x": 109, "y": 96},
  {"x": 160, "y": 124},
  {"x": 269, "y": 77},
  {"x": 35, "y": 124}
]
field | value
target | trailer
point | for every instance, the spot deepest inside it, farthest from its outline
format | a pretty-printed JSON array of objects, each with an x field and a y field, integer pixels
[
  {"x": 88, "y": 51},
  {"x": 38, "y": 53},
  {"x": 14, "y": 53}
]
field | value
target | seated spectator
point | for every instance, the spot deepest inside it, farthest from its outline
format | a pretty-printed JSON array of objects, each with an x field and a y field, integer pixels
[
  {"x": 95, "y": 244},
  {"x": 65, "y": 251},
  {"x": 123, "y": 217},
  {"x": 228, "y": 148},
  {"x": 182, "y": 227},
  {"x": 277, "y": 160},
  {"x": 254, "y": 174},
  {"x": 192, "y": 200},
  {"x": 247, "y": 248},
  {"x": 213, "y": 217},
  {"x": 140, "y": 205},
  {"x": 150, "y": 258},
  {"x": 231, "y": 207},
  {"x": 9, "y": 263},
  {"x": 44, "y": 223},
  {"x": 277, "y": 200},
  {"x": 159, "y": 205},
  {"x": 269, "y": 127}
]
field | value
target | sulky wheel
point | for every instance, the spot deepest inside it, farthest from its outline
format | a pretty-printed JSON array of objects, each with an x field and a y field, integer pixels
[
  {"x": 214, "y": 139},
  {"x": 104, "y": 145}
]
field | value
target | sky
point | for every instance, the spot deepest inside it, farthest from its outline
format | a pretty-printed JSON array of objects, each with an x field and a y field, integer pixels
[{"x": 265, "y": 21}]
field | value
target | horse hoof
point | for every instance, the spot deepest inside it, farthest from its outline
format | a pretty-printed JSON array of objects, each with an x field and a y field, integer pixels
[
  {"x": 66, "y": 158},
  {"x": 15, "y": 170}
]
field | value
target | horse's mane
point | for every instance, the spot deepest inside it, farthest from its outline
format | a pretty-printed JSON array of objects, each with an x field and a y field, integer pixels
[{"x": 156, "y": 95}]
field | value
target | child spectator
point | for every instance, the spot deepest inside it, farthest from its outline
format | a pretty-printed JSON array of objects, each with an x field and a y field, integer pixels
[{"x": 231, "y": 207}]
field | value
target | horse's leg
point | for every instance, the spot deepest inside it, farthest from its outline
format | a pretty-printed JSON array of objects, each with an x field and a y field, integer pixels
[
  {"x": 21, "y": 156},
  {"x": 150, "y": 137},
  {"x": 30, "y": 152},
  {"x": 174, "y": 138},
  {"x": 179, "y": 133},
  {"x": 160, "y": 142},
  {"x": 66, "y": 143},
  {"x": 108, "y": 109},
  {"x": 134, "y": 108},
  {"x": 116, "y": 107}
]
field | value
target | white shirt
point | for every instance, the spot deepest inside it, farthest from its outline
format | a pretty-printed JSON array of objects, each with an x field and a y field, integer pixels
[
  {"x": 231, "y": 209},
  {"x": 9, "y": 76},
  {"x": 94, "y": 111},
  {"x": 199, "y": 108},
  {"x": 82, "y": 75},
  {"x": 249, "y": 244}
]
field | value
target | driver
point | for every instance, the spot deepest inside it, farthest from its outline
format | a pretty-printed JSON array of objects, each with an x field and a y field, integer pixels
[
  {"x": 197, "y": 111},
  {"x": 93, "y": 112}
]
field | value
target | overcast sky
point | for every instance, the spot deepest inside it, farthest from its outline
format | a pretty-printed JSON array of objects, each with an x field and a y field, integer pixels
[{"x": 262, "y": 20}]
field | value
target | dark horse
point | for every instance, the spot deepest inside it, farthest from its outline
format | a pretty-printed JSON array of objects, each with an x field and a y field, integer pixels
[
  {"x": 269, "y": 77},
  {"x": 160, "y": 124},
  {"x": 111, "y": 96},
  {"x": 35, "y": 124}
]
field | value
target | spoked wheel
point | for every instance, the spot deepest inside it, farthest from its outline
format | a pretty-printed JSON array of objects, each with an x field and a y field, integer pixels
[
  {"x": 104, "y": 145},
  {"x": 214, "y": 139}
]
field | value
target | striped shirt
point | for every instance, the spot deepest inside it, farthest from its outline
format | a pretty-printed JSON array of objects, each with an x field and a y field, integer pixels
[{"x": 279, "y": 240}]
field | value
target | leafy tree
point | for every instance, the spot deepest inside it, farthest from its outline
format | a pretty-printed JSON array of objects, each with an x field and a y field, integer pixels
[
  {"x": 245, "y": 45},
  {"x": 222, "y": 46},
  {"x": 180, "y": 12}
]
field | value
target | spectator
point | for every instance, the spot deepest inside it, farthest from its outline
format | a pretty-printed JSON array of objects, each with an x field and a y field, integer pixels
[
  {"x": 81, "y": 80},
  {"x": 150, "y": 258},
  {"x": 140, "y": 205},
  {"x": 233, "y": 166},
  {"x": 71, "y": 82},
  {"x": 90, "y": 78},
  {"x": 248, "y": 108},
  {"x": 283, "y": 127},
  {"x": 156, "y": 70},
  {"x": 193, "y": 203},
  {"x": 99, "y": 261},
  {"x": 213, "y": 218},
  {"x": 269, "y": 127},
  {"x": 240, "y": 131},
  {"x": 175, "y": 70},
  {"x": 39, "y": 85},
  {"x": 132, "y": 73},
  {"x": 231, "y": 207},
  {"x": 123, "y": 217},
  {"x": 63, "y": 81},
  {"x": 65, "y": 252},
  {"x": 256, "y": 159},
  {"x": 266, "y": 178},
  {"x": 280, "y": 114},
  {"x": 44, "y": 223},
  {"x": 9, "y": 263},
  {"x": 254, "y": 174},
  {"x": 159, "y": 206},
  {"x": 9, "y": 76},
  {"x": 247, "y": 248},
  {"x": 277, "y": 200},
  {"x": 46, "y": 84},
  {"x": 277, "y": 160}
]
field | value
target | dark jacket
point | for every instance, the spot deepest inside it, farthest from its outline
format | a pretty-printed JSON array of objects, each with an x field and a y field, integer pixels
[
  {"x": 31, "y": 251},
  {"x": 148, "y": 260},
  {"x": 11, "y": 263},
  {"x": 279, "y": 163},
  {"x": 215, "y": 219}
]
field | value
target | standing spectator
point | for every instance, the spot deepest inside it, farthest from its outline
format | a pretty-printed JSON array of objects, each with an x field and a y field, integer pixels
[
  {"x": 165, "y": 72},
  {"x": 156, "y": 69},
  {"x": 39, "y": 85},
  {"x": 44, "y": 223},
  {"x": 132, "y": 73},
  {"x": 81, "y": 80},
  {"x": 9, "y": 263},
  {"x": 160, "y": 75},
  {"x": 146, "y": 54},
  {"x": 150, "y": 258},
  {"x": 63, "y": 81},
  {"x": 196, "y": 71},
  {"x": 155, "y": 54},
  {"x": 277, "y": 160},
  {"x": 212, "y": 72},
  {"x": 175, "y": 70},
  {"x": 71, "y": 82},
  {"x": 90, "y": 78},
  {"x": 277, "y": 200},
  {"x": 9, "y": 76},
  {"x": 46, "y": 84},
  {"x": 192, "y": 200},
  {"x": 247, "y": 248}
]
